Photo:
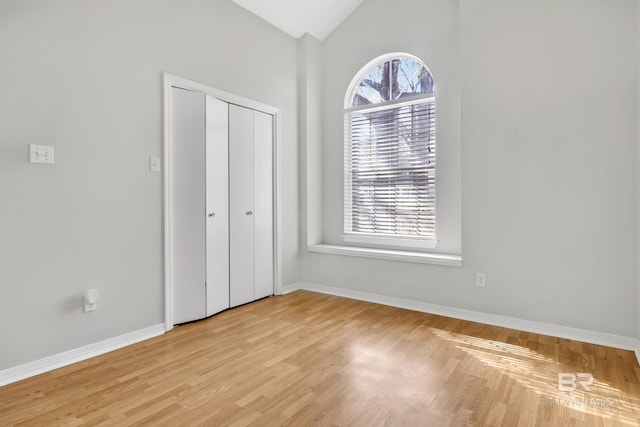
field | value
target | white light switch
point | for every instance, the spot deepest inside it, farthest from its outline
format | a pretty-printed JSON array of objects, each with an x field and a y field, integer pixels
[
  {"x": 91, "y": 300},
  {"x": 41, "y": 153},
  {"x": 154, "y": 164}
]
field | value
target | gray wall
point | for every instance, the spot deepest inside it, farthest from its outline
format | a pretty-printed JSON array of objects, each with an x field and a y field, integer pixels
[
  {"x": 430, "y": 32},
  {"x": 86, "y": 77},
  {"x": 310, "y": 123},
  {"x": 638, "y": 168},
  {"x": 548, "y": 128},
  {"x": 539, "y": 95}
]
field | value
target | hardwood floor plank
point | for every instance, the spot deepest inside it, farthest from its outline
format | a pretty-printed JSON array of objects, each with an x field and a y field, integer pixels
[{"x": 312, "y": 359}]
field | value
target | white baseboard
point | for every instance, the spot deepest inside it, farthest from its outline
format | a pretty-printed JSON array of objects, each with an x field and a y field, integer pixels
[
  {"x": 592, "y": 337},
  {"x": 56, "y": 361}
]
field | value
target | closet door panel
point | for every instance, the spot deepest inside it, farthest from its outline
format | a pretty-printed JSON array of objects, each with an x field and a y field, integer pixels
[
  {"x": 241, "y": 215},
  {"x": 263, "y": 203},
  {"x": 187, "y": 225},
  {"x": 217, "y": 214}
]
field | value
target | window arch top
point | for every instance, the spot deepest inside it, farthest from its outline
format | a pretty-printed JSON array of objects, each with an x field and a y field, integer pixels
[{"x": 390, "y": 78}]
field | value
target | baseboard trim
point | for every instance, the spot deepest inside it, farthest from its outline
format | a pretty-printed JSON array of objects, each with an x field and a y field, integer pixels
[
  {"x": 592, "y": 337},
  {"x": 56, "y": 361},
  {"x": 60, "y": 360}
]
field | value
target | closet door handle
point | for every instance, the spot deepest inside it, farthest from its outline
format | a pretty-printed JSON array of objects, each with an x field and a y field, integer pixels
[
  {"x": 249, "y": 212},
  {"x": 211, "y": 214}
]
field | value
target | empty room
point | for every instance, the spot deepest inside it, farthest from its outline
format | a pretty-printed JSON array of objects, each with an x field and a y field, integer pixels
[{"x": 320, "y": 212}]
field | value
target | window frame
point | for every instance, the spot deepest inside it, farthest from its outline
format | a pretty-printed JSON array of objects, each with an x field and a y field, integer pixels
[{"x": 413, "y": 242}]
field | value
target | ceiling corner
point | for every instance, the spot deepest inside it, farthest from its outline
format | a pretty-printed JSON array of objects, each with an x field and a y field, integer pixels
[{"x": 297, "y": 17}]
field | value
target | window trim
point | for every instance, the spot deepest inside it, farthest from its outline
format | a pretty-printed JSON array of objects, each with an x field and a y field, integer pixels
[
  {"x": 390, "y": 104},
  {"x": 377, "y": 60},
  {"x": 390, "y": 241},
  {"x": 446, "y": 260},
  {"x": 393, "y": 242}
]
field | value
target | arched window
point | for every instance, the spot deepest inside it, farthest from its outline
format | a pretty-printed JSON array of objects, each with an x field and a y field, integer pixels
[{"x": 390, "y": 154}]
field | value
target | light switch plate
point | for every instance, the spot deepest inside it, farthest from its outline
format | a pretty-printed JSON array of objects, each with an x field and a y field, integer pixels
[
  {"x": 154, "y": 164},
  {"x": 41, "y": 153}
]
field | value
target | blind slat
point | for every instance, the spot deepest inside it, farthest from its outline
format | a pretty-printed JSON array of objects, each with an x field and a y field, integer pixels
[{"x": 390, "y": 170}]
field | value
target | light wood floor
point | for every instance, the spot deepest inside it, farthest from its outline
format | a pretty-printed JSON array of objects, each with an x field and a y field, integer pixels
[{"x": 311, "y": 359}]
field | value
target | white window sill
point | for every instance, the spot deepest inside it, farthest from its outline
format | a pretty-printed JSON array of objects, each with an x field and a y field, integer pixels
[
  {"x": 400, "y": 242},
  {"x": 389, "y": 255}
]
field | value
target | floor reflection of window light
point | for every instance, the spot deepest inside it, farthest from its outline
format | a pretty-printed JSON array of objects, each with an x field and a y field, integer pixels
[{"x": 540, "y": 374}]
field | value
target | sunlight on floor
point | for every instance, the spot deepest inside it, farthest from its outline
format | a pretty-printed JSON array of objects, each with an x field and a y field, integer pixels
[
  {"x": 539, "y": 374},
  {"x": 378, "y": 374}
]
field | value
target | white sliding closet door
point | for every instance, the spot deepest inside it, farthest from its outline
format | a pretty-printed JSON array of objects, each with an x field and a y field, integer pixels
[
  {"x": 188, "y": 205},
  {"x": 221, "y": 205},
  {"x": 263, "y": 203},
  {"x": 217, "y": 214},
  {"x": 241, "y": 187},
  {"x": 250, "y": 204}
]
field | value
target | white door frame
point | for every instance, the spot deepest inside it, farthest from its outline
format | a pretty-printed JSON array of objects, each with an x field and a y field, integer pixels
[{"x": 170, "y": 81}]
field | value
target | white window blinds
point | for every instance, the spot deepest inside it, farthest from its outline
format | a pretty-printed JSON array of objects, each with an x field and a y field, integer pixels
[{"x": 390, "y": 169}]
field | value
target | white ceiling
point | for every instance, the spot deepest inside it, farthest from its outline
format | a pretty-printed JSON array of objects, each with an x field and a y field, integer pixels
[{"x": 296, "y": 17}]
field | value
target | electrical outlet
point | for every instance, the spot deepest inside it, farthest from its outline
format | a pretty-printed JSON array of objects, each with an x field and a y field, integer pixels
[{"x": 481, "y": 279}]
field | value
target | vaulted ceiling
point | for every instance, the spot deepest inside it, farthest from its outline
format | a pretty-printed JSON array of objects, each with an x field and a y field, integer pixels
[{"x": 297, "y": 17}]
